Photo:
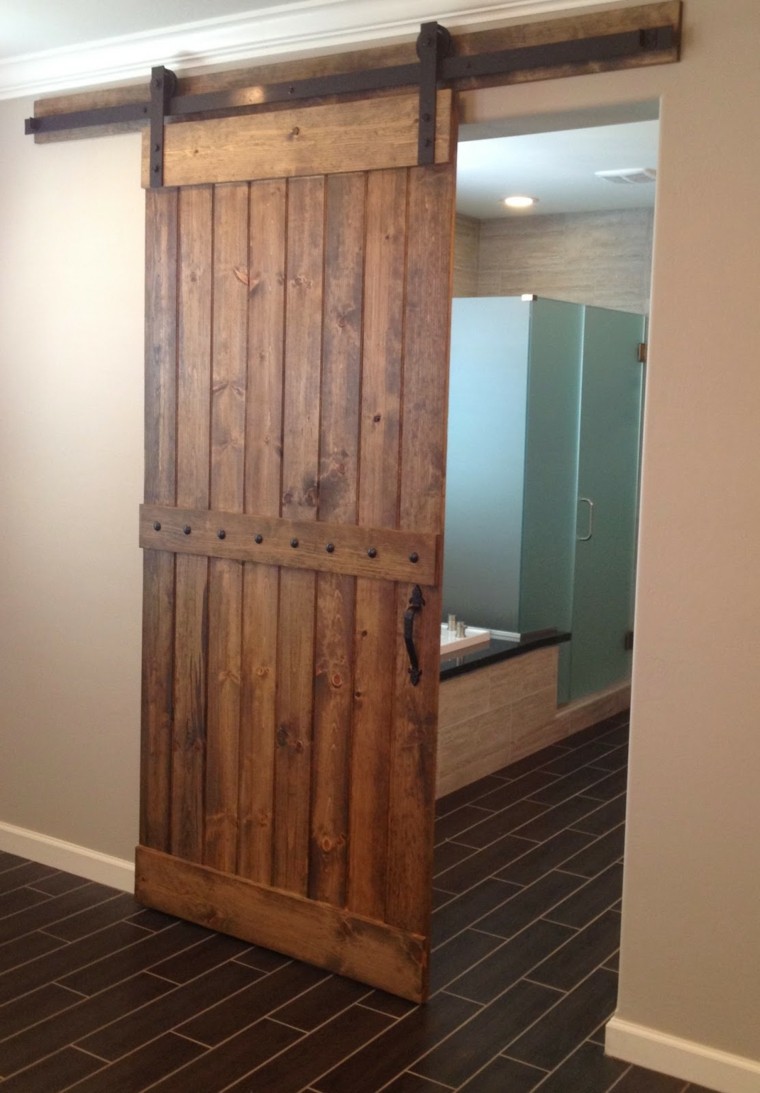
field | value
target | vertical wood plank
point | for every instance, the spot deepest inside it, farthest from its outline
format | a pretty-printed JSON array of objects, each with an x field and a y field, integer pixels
[
  {"x": 158, "y": 567},
  {"x": 338, "y": 489},
  {"x": 378, "y": 506},
  {"x": 300, "y": 472},
  {"x": 423, "y": 467},
  {"x": 228, "y": 397},
  {"x": 193, "y": 443},
  {"x": 265, "y": 278}
]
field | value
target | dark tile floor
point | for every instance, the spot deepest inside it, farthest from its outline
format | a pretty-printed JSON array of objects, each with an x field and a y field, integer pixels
[{"x": 99, "y": 995}]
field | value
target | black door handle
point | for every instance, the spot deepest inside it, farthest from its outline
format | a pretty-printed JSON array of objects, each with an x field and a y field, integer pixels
[{"x": 416, "y": 603}]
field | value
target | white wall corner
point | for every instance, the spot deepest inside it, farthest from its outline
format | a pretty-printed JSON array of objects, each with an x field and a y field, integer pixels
[
  {"x": 292, "y": 28},
  {"x": 80, "y": 860},
  {"x": 685, "y": 1059}
]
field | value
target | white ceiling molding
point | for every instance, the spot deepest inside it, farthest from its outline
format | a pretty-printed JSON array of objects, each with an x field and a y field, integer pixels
[{"x": 280, "y": 29}]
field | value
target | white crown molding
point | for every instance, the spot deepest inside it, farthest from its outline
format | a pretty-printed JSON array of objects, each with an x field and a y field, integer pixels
[{"x": 306, "y": 26}]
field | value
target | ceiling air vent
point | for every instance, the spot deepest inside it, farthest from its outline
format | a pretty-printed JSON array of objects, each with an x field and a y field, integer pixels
[{"x": 628, "y": 175}]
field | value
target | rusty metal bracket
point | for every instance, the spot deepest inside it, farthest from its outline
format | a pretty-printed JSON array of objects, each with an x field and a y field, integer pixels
[
  {"x": 433, "y": 44},
  {"x": 163, "y": 86}
]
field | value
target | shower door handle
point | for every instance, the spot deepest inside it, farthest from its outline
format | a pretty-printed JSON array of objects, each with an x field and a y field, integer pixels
[
  {"x": 416, "y": 603},
  {"x": 590, "y": 528}
]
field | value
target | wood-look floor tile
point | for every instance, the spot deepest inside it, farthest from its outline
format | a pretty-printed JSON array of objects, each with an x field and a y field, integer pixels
[
  {"x": 59, "y": 883},
  {"x": 264, "y": 960},
  {"x": 35, "y": 1006},
  {"x": 53, "y": 910},
  {"x": 614, "y": 760},
  {"x": 608, "y": 730},
  {"x": 414, "y": 1083},
  {"x": 462, "y": 911},
  {"x": 473, "y": 1045},
  {"x": 152, "y": 920},
  {"x": 252, "y": 1003},
  {"x": 20, "y": 899},
  {"x": 78, "y": 1021},
  {"x": 68, "y": 959},
  {"x": 54, "y": 1073},
  {"x": 209, "y": 953},
  {"x": 482, "y": 863},
  {"x": 596, "y": 895},
  {"x": 450, "y": 825},
  {"x": 445, "y": 855},
  {"x": 529, "y": 903},
  {"x": 322, "y": 1002},
  {"x": 511, "y": 960},
  {"x": 542, "y": 857},
  {"x": 578, "y": 757},
  {"x": 316, "y": 1053},
  {"x": 388, "y": 1003},
  {"x": 579, "y": 955},
  {"x": 25, "y": 948},
  {"x": 166, "y": 1012},
  {"x": 583, "y": 780},
  {"x": 449, "y": 961},
  {"x": 600, "y": 820},
  {"x": 535, "y": 761},
  {"x": 640, "y": 1080},
  {"x": 504, "y": 1075},
  {"x": 511, "y": 792},
  {"x": 554, "y": 820},
  {"x": 569, "y": 1022},
  {"x": 142, "y": 954},
  {"x": 500, "y": 824},
  {"x": 10, "y": 861},
  {"x": 23, "y": 875},
  {"x": 586, "y": 1070},
  {"x": 117, "y": 909},
  {"x": 230, "y": 1060},
  {"x": 143, "y": 1067},
  {"x": 598, "y": 855},
  {"x": 467, "y": 795},
  {"x": 393, "y": 1052},
  {"x": 610, "y": 787}
]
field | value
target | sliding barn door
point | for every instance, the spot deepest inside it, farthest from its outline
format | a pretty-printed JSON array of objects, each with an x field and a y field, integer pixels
[{"x": 298, "y": 286}]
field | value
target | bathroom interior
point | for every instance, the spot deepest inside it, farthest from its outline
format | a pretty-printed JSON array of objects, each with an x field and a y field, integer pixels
[{"x": 547, "y": 377}]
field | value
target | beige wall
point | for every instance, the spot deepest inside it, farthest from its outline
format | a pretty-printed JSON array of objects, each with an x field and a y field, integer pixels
[
  {"x": 691, "y": 907},
  {"x": 598, "y": 258},
  {"x": 70, "y": 355},
  {"x": 71, "y": 330}
]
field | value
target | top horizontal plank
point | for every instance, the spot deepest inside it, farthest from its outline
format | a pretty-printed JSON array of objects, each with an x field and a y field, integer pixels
[{"x": 366, "y": 135}]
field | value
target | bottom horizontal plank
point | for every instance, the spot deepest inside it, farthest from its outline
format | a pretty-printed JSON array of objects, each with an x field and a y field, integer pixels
[{"x": 361, "y": 948}]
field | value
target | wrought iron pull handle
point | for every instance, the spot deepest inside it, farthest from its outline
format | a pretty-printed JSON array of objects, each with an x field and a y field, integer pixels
[
  {"x": 416, "y": 603},
  {"x": 585, "y": 538}
]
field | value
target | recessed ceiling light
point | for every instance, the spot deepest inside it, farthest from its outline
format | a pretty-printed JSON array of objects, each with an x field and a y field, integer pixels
[{"x": 519, "y": 201}]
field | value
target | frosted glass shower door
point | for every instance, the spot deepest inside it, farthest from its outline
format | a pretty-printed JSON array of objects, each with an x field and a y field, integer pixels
[{"x": 608, "y": 476}]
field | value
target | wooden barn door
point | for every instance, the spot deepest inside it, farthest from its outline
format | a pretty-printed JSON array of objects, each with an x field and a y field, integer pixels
[{"x": 297, "y": 361}]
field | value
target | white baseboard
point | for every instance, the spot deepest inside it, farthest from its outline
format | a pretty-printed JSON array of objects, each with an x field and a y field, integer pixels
[
  {"x": 81, "y": 860},
  {"x": 685, "y": 1059}
]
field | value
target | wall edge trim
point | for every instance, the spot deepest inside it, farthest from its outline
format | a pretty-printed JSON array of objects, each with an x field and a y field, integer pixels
[
  {"x": 69, "y": 857},
  {"x": 684, "y": 1059}
]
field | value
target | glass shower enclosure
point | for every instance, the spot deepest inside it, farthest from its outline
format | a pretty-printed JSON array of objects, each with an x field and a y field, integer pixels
[{"x": 542, "y": 477}]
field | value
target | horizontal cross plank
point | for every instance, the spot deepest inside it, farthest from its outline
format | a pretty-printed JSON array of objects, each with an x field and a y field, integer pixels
[
  {"x": 318, "y": 933},
  {"x": 369, "y": 134},
  {"x": 382, "y": 553}
]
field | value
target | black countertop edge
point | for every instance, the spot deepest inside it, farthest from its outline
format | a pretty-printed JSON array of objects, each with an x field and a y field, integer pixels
[{"x": 497, "y": 650}]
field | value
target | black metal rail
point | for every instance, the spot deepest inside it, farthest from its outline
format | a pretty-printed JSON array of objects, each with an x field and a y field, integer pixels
[{"x": 435, "y": 68}]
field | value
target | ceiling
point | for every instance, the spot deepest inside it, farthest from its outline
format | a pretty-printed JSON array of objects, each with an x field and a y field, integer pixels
[
  {"x": 558, "y": 169},
  {"x": 556, "y": 165}
]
